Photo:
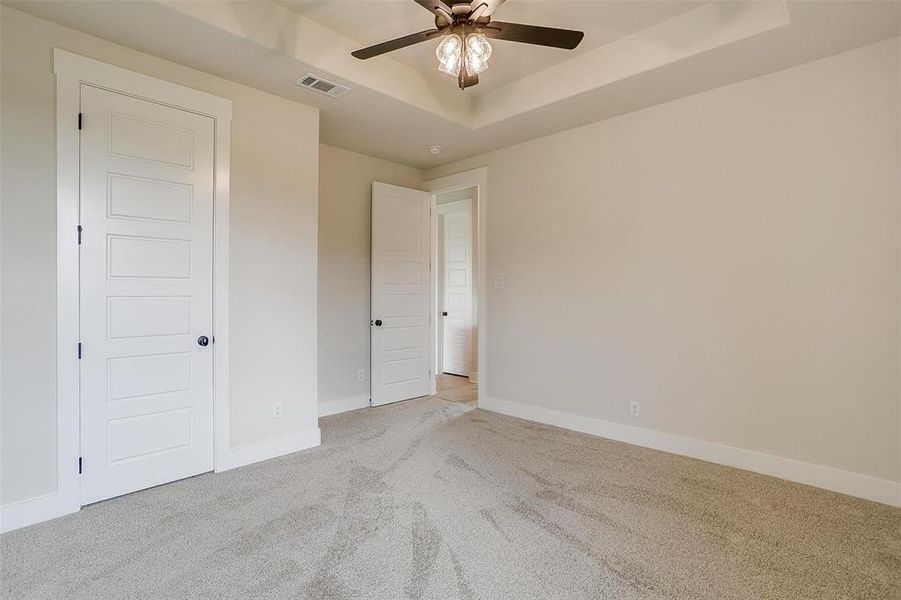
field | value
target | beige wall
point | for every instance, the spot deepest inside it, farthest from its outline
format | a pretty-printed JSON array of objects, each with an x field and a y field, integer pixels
[
  {"x": 345, "y": 185},
  {"x": 273, "y": 267},
  {"x": 730, "y": 260}
]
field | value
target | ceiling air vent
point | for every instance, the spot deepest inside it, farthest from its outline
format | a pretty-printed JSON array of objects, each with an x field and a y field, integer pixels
[{"x": 323, "y": 86}]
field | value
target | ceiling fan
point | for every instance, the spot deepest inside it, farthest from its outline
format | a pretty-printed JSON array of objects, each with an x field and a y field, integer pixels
[{"x": 466, "y": 27}]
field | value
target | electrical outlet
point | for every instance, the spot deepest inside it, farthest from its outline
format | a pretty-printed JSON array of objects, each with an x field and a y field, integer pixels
[
  {"x": 276, "y": 410},
  {"x": 634, "y": 408},
  {"x": 361, "y": 374},
  {"x": 500, "y": 282}
]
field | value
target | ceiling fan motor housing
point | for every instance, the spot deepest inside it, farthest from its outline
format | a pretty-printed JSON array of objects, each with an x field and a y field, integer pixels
[{"x": 461, "y": 11}]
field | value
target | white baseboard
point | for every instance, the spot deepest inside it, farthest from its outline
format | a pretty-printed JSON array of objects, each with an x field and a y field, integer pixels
[
  {"x": 273, "y": 448},
  {"x": 340, "y": 405},
  {"x": 33, "y": 510},
  {"x": 50, "y": 506},
  {"x": 836, "y": 480}
]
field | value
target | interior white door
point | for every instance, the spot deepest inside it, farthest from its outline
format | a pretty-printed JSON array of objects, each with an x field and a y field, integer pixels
[
  {"x": 145, "y": 293},
  {"x": 400, "y": 304},
  {"x": 457, "y": 301}
]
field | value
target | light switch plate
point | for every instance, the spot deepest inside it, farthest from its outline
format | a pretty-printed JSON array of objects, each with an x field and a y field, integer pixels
[{"x": 499, "y": 282}]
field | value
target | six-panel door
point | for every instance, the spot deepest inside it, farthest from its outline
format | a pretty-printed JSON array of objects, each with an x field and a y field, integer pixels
[
  {"x": 457, "y": 320},
  {"x": 145, "y": 293},
  {"x": 401, "y": 299}
]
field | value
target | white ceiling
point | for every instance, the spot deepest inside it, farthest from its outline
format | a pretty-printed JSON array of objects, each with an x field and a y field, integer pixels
[
  {"x": 636, "y": 54},
  {"x": 372, "y": 21}
]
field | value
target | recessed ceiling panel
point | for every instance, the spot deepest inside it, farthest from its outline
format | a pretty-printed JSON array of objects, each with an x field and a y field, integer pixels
[{"x": 603, "y": 21}]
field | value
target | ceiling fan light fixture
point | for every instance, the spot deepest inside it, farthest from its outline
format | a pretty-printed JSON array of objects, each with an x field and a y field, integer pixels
[
  {"x": 450, "y": 53},
  {"x": 478, "y": 51},
  {"x": 463, "y": 51}
]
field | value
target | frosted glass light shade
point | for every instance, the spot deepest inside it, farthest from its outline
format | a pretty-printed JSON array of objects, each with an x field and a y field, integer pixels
[
  {"x": 478, "y": 50},
  {"x": 450, "y": 53}
]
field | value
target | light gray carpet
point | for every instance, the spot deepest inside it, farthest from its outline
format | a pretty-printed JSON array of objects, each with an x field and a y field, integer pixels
[{"x": 432, "y": 499}]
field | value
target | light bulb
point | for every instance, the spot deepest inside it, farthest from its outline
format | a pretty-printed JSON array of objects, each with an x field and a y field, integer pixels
[
  {"x": 449, "y": 53},
  {"x": 477, "y": 52}
]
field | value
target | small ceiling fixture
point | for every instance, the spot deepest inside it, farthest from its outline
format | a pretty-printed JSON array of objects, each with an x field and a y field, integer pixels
[
  {"x": 434, "y": 149},
  {"x": 466, "y": 26}
]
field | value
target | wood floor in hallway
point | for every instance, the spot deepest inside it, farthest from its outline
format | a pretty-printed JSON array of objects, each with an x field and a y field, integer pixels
[{"x": 457, "y": 389}]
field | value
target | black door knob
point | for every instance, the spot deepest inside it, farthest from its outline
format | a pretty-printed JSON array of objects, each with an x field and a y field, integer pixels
[
  {"x": 444, "y": 314},
  {"x": 203, "y": 341},
  {"x": 378, "y": 322}
]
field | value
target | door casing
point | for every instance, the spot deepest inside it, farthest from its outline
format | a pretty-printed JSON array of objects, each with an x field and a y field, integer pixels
[
  {"x": 72, "y": 71},
  {"x": 478, "y": 179}
]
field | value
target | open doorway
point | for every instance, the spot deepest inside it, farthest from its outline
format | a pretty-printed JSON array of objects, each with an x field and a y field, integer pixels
[
  {"x": 407, "y": 340},
  {"x": 456, "y": 295}
]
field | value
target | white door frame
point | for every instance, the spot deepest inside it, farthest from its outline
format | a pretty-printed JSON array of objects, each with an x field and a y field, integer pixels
[
  {"x": 438, "y": 350},
  {"x": 478, "y": 179},
  {"x": 71, "y": 72}
]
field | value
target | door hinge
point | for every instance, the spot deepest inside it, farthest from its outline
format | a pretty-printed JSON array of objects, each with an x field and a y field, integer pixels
[
  {"x": 79, "y": 350},
  {"x": 79, "y": 465},
  {"x": 79, "y": 235},
  {"x": 79, "y": 121}
]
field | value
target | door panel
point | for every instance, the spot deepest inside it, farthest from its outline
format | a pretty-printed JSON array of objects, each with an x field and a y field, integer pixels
[
  {"x": 141, "y": 258},
  {"x": 138, "y": 198},
  {"x": 131, "y": 317},
  {"x": 400, "y": 294},
  {"x": 146, "y": 207},
  {"x": 457, "y": 302}
]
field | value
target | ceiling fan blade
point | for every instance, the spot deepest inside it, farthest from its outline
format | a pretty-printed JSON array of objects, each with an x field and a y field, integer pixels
[
  {"x": 533, "y": 34},
  {"x": 396, "y": 44}
]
